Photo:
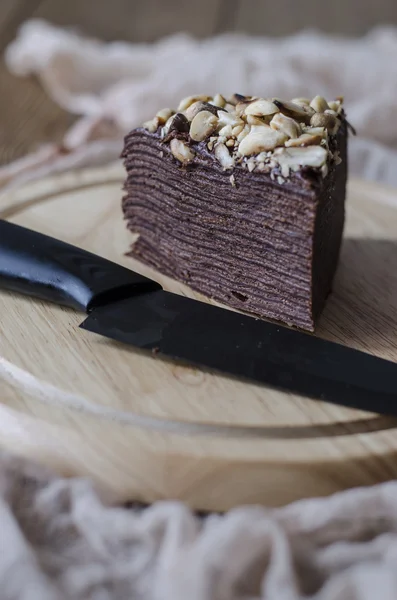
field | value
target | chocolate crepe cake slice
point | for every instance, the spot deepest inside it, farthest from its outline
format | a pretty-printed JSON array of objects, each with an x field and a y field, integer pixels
[{"x": 243, "y": 200}]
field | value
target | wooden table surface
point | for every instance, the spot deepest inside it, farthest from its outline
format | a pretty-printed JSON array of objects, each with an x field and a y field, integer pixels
[
  {"x": 149, "y": 429},
  {"x": 28, "y": 117}
]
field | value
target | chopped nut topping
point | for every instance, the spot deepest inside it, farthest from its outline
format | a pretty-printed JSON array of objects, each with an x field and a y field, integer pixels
[
  {"x": 261, "y": 138},
  {"x": 299, "y": 101},
  {"x": 269, "y": 135},
  {"x": 203, "y": 124},
  {"x": 324, "y": 170},
  {"x": 285, "y": 170},
  {"x": 164, "y": 114},
  {"x": 286, "y": 125},
  {"x": 327, "y": 121},
  {"x": 236, "y": 98},
  {"x": 237, "y": 129},
  {"x": 295, "y": 111},
  {"x": 186, "y": 102},
  {"x": 223, "y": 156},
  {"x": 197, "y": 107},
  {"x": 219, "y": 101},
  {"x": 226, "y": 131},
  {"x": 261, "y": 108},
  {"x": 239, "y": 109},
  {"x": 226, "y": 118},
  {"x": 229, "y": 107},
  {"x": 251, "y": 164},
  {"x": 316, "y": 131},
  {"x": 181, "y": 151},
  {"x": 152, "y": 125},
  {"x": 167, "y": 126},
  {"x": 243, "y": 133},
  {"x": 319, "y": 104},
  {"x": 177, "y": 123},
  {"x": 311, "y": 156},
  {"x": 306, "y": 139},
  {"x": 251, "y": 120},
  {"x": 335, "y": 105}
]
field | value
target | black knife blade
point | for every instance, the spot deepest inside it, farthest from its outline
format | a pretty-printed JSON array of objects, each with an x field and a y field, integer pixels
[
  {"x": 127, "y": 307},
  {"x": 211, "y": 337}
]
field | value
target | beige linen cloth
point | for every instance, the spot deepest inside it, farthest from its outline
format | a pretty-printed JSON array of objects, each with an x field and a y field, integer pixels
[
  {"x": 114, "y": 87},
  {"x": 59, "y": 538}
]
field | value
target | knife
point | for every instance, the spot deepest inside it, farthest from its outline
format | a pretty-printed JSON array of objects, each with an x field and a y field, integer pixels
[{"x": 127, "y": 307}]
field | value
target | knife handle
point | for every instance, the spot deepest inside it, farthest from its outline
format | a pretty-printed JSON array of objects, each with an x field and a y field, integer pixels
[{"x": 40, "y": 266}]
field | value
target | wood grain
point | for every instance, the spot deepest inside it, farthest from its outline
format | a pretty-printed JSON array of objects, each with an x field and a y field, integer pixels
[
  {"x": 150, "y": 20},
  {"x": 285, "y": 17},
  {"x": 148, "y": 429},
  {"x": 12, "y": 13},
  {"x": 138, "y": 22},
  {"x": 28, "y": 117}
]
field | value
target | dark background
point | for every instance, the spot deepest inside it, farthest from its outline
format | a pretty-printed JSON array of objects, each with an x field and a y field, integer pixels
[{"x": 27, "y": 116}]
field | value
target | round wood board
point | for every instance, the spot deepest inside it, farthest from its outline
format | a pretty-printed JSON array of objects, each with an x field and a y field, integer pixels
[{"x": 147, "y": 429}]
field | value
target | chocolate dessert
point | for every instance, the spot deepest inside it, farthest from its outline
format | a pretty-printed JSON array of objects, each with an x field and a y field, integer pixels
[{"x": 242, "y": 199}]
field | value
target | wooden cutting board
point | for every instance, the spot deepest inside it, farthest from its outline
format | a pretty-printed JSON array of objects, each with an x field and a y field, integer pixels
[{"x": 146, "y": 429}]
